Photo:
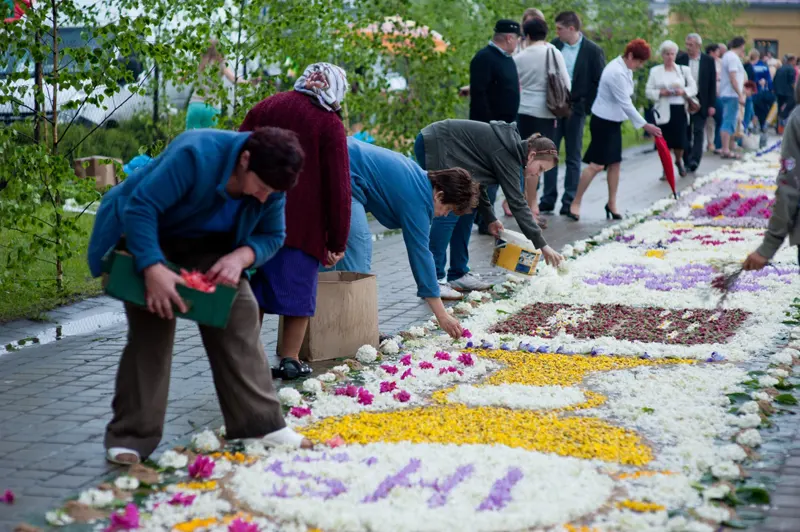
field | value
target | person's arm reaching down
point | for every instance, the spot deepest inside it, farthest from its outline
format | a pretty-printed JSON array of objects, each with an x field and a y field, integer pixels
[{"x": 416, "y": 234}]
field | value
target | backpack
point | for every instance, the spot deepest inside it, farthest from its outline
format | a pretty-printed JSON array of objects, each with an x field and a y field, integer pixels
[{"x": 558, "y": 97}]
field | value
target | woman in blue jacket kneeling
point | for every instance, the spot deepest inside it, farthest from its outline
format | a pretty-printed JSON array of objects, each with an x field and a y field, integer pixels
[
  {"x": 401, "y": 195},
  {"x": 212, "y": 201}
]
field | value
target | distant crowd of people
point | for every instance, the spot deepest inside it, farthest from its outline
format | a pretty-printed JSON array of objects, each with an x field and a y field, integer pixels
[{"x": 697, "y": 99}]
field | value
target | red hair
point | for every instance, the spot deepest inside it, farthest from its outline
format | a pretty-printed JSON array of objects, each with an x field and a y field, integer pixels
[
  {"x": 639, "y": 49},
  {"x": 750, "y": 84}
]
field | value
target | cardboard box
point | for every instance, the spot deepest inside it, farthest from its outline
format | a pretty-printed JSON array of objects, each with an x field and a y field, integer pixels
[
  {"x": 122, "y": 281},
  {"x": 105, "y": 175},
  {"x": 515, "y": 253},
  {"x": 346, "y": 317}
]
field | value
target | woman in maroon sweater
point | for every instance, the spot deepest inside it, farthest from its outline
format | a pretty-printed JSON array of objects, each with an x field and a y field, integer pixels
[{"x": 317, "y": 209}]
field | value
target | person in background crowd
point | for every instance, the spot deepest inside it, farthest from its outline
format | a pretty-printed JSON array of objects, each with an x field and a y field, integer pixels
[
  {"x": 731, "y": 94},
  {"x": 317, "y": 209},
  {"x": 784, "y": 84},
  {"x": 611, "y": 108},
  {"x": 534, "y": 115},
  {"x": 494, "y": 85},
  {"x": 494, "y": 154},
  {"x": 200, "y": 114},
  {"x": 763, "y": 98},
  {"x": 783, "y": 221},
  {"x": 493, "y": 78},
  {"x": 214, "y": 201},
  {"x": 401, "y": 195},
  {"x": 704, "y": 73},
  {"x": 721, "y": 51},
  {"x": 774, "y": 64},
  {"x": 585, "y": 63},
  {"x": 669, "y": 85},
  {"x": 748, "y": 120},
  {"x": 714, "y": 119},
  {"x": 529, "y": 14}
]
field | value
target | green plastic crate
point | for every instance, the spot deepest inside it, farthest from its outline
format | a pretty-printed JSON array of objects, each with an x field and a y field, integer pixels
[{"x": 122, "y": 281}]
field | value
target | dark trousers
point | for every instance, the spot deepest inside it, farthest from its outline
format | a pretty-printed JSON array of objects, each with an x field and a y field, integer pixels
[
  {"x": 785, "y": 106},
  {"x": 762, "y": 103},
  {"x": 242, "y": 378},
  {"x": 570, "y": 130},
  {"x": 491, "y": 191},
  {"x": 695, "y": 133}
]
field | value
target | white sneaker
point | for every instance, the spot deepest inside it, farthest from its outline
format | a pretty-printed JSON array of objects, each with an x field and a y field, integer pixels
[
  {"x": 469, "y": 283},
  {"x": 447, "y": 293}
]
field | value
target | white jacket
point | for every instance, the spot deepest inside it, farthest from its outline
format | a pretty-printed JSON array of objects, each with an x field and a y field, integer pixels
[{"x": 661, "y": 79}]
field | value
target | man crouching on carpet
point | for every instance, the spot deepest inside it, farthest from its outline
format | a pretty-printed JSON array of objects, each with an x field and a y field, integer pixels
[{"x": 212, "y": 201}]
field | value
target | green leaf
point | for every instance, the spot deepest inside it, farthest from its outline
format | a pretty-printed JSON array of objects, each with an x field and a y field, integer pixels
[
  {"x": 753, "y": 495},
  {"x": 739, "y": 397},
  {"x": 647, "y": 410},
  {"x": 786, "y": 399},
  {"x": 502, "y": 312}
]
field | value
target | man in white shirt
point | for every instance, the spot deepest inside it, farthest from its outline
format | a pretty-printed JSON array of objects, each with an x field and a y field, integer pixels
[{"x": 731, "y": 93}]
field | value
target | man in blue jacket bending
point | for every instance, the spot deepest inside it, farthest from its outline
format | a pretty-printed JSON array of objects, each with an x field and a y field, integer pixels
[{"x": 212, "y": 201}]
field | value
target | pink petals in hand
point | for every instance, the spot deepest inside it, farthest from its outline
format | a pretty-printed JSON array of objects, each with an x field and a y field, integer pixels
[{"x": 203, "y": 467}]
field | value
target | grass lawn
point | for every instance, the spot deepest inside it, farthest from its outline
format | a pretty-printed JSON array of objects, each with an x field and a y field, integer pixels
[{"x": 18, "y": 301}]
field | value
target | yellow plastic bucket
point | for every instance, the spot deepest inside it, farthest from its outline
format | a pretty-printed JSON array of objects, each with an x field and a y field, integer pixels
[{"x": 515, "y": 253}]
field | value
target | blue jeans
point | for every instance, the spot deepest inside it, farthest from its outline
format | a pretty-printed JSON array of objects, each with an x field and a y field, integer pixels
[
  {"x": 730, "y": 114},
  {"x": 453, "y": 231},
  {"x": 358, "y": 255},
  {"x": 571, "y": 131}
]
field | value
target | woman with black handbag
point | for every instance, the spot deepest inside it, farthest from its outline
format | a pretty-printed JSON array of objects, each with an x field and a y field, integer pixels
[{"x": 674, "y": 91}]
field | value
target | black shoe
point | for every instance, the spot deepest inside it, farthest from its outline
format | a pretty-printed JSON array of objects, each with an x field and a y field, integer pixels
[
  {"x": 546, "y": 208},
  {"x": 573, "y": 217},
  {"x": 564, "y": 211},
  {"x": 681, "y": 170},
  {"x": 612, "y": 214},
  {"x": 290, "y": 369},
  {"x": 693, "y": 167}
]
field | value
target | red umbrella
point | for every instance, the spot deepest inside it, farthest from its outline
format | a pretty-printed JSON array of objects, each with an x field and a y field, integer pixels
[{"x": 666, "y": 162}]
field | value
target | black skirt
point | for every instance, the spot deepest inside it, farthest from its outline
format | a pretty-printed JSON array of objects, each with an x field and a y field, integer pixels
[
  {"x": 606, "y": 145},
  {"x": 675, "y": 131}
]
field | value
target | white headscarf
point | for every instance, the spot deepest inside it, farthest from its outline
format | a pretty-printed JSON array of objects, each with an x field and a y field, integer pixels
[{"x": 324, "y": 82}]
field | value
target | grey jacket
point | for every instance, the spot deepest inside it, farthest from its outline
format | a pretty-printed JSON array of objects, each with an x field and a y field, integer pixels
[
  {"x": 494, "y": 154},
  {"x": 784, "y": 221}
]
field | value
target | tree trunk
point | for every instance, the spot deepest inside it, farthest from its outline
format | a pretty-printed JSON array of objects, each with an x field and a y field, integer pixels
[{"x": 37, "y": 111}]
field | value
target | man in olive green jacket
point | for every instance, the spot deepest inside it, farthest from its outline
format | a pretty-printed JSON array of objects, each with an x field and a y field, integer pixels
[{"x": 783, "y": 221}]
